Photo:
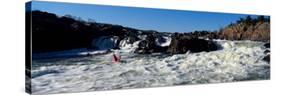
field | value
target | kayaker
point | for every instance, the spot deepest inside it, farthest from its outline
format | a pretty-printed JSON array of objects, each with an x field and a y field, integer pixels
[{"x": 116, "y": 57}]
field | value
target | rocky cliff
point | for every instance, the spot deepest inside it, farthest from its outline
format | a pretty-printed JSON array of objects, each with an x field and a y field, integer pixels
[{"x": 255, "y": 29}]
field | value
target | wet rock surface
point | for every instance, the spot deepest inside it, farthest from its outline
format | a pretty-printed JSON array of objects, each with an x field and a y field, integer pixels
[
  {"x": 267, "y": 58},
  {"x": 180, "y": 45}
]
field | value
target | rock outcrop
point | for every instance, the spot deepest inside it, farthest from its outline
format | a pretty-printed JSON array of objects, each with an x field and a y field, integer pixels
[
  {"x": 267, "y": 45},
  {"x": 267, "y": 58},
  {"x": 180, "y": 45},
  {"x": 247, "y": 29},
  {"x": 53, "y": 33},
  {"x": 267, "y": 52},
  {"x": 149, "y": 45}
]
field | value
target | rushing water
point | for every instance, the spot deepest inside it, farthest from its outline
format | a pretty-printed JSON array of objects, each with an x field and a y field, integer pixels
[{"x": 236, "y": 61}]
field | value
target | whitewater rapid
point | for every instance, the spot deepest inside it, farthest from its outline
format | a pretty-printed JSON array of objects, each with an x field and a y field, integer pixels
[{"x": 236, "y": 61}]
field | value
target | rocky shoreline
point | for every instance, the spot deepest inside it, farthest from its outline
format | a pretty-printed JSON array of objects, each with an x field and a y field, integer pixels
[{"x": 53, "y": 33}]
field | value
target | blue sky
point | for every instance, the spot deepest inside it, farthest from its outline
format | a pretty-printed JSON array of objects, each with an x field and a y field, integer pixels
[{"x": 142, "y": 18}]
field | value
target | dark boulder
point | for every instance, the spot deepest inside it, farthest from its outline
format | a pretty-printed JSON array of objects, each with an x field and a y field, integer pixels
[
  {"x": 267, "y": 58},
  {"x": 266, "y": 51},
  {"x": 146, "y": 46},
  {"x": 149, "y": 45},
  {"x": 267, "y": 45},
  {"x": 180, "y": 45}
]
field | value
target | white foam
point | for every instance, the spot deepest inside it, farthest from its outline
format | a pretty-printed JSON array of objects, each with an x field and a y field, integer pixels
[{"x": 163, "y": 43}]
